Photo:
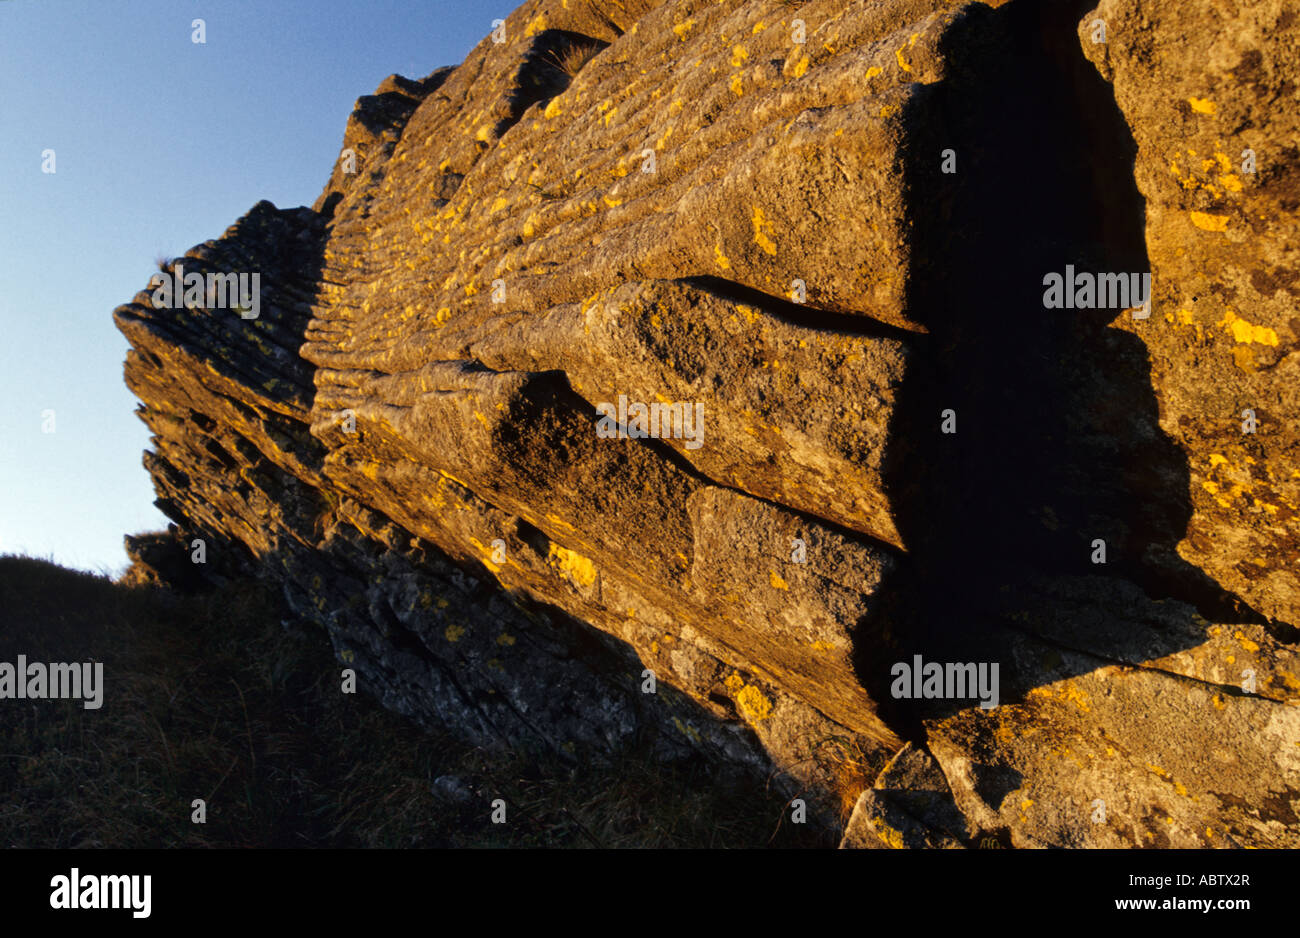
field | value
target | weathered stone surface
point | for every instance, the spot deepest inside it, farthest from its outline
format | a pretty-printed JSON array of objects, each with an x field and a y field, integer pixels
[
  {"x": 880, "y": 823},
  {"x": 910, "y": 806},
  {"x": 1199, "y": 85},
  {"x": 1138, "y": 732},
  {"x": 694, "y": 203},
  {"x": 682, "y": 341}
]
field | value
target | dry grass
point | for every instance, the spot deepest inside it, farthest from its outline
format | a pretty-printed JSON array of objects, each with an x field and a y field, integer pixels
[
  {"x": 209, "y": 697},
  {"x": 573, "y": 57}
]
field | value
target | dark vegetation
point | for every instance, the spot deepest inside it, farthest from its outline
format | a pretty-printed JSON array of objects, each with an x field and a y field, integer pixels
[{"x": 210, "y": 696}]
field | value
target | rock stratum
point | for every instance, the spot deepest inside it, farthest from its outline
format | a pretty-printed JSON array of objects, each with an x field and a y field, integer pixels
[{"x": 826, "y": 227}]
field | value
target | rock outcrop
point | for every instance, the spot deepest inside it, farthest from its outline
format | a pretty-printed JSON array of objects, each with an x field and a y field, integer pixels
[{"x": 813, "y": 240}]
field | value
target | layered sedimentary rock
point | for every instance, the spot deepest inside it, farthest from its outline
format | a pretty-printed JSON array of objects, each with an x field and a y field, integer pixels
[
  {"x": 1210, "y": 95},
  {"x": 816, "y": 236}
]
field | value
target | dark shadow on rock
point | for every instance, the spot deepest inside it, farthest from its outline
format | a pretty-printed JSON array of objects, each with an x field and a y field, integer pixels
[
  {"x": 552, "y": 61},
  {"x": 994, "y": 782},
  {"x": 1057, "y": 441}
]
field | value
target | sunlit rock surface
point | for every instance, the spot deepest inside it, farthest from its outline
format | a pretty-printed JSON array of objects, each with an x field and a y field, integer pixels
[{"x": 825, "y": 228}]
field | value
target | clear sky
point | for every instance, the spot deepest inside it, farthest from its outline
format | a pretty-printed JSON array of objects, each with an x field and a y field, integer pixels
[{"x": 159, "y": 144}]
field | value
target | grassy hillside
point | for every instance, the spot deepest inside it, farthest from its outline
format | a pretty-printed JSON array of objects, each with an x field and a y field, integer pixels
[{"x": 209, "y": 696}]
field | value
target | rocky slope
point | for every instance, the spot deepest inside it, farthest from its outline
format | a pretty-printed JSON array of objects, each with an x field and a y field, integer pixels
[{"x": 824, "y": 228}]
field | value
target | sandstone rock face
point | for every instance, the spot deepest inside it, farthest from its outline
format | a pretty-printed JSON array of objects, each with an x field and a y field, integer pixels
[
  {"x": 1211, "y": 97},
  {"x": 814, "y": 236}
]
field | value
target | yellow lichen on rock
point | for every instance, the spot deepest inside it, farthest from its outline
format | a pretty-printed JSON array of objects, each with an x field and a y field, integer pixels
[
  {"x": 536, "y": 25},
  {"x": 763, "y": 231},
  {"x": 1208, "y": 222},
  {"x": 1244, "y": 332},
  {"x": 572, "y": 565},
  {"x": 752, "y": 704}
]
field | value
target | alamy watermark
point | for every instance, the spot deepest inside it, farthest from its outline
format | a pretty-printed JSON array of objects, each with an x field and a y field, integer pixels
[
  {"x": 78, "y": 891},
  {"x": 1085, "y": 290},
  {"x": 952, "y": 680},
  {"x": 56, "y": 681},
  {"x": 242, "y": 292},
  {"x": 637, "y": 421}
]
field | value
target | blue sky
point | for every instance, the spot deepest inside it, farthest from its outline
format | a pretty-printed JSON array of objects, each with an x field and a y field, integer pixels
[{"x": 159, "y": 144}]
